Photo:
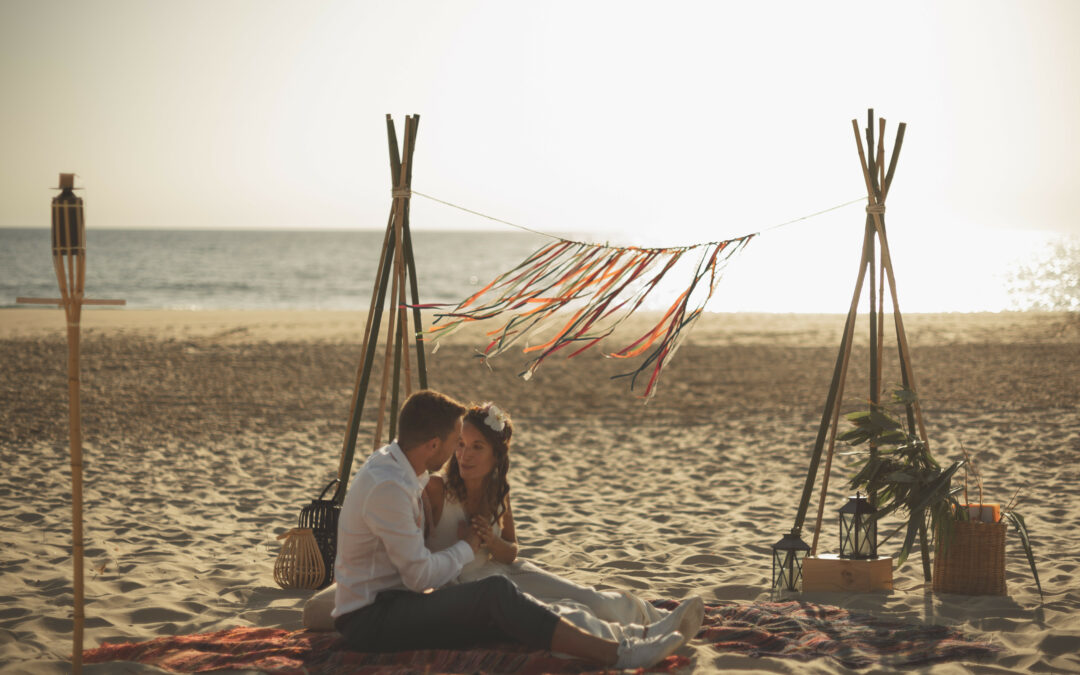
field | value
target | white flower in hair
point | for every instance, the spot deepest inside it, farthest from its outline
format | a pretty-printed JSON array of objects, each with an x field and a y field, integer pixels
[{"x": 496, "y": 419}]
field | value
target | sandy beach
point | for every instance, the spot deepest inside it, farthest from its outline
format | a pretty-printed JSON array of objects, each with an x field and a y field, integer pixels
[{"x": 205, "y": 433}]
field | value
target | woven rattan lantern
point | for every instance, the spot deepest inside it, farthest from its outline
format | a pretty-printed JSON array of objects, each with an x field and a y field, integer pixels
[
  {"x": 858, "y": 529},
  {"x": 321, "y": 518},
  {"x": 299, "y": 564},
  {"x": 787, "y": 562}
]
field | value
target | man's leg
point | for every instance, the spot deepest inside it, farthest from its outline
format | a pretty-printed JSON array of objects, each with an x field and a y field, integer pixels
[
  {"x": 569, "y": 639},
  {"x": 489, "y": 610},
  {"x": 453, "y": 617}
]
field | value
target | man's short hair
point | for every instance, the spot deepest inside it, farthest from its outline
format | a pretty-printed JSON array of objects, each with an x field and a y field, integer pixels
[{"x": 427, "y": 414}]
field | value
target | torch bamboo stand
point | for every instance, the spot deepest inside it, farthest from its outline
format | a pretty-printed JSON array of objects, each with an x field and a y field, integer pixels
[
  {"x": 878, "y": 181},
  {"x": 69, "y": 263},
  {"x": 397, "y": 256}
]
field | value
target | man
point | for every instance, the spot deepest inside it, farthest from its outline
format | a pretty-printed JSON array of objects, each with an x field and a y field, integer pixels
[{"x": 385, "y": 575}]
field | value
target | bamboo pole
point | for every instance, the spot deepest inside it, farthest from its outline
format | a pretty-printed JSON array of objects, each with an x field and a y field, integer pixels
[
  {"x": 410, "y": 264},
  {"x": 401, "y": 200},
  {"x": 872, "y": 168},
  {"x": 73, "y": 310},
  {"x": 839, "y": 371},
  {"x": 396, "y": 254},
  {"x": 404, "y": 319},
  {"x": 387, "y": 362},
  {"x": 392, "y": 144},
  {"x": 881, "y": 271},
  {"x": 395, "y": 382},
  {"x": 871, "y": 256},
  {"x": 845, "y": 347},
  {"x": 876, "y": 211},
  {"x": 71, "y": 283},
  {"x": 885, "y": 193},
  {"x": 363, "y": 372},
  {"x": 870, "y": 161},
  {"x": 881, "y": 158},
  {"x": 410, "y": 133},
  {"x": 401, "y": 338},
  {"x": 881, "y": 325},
  {"x": 901, "y": 334},
  {"x": 75, "y": 428}
]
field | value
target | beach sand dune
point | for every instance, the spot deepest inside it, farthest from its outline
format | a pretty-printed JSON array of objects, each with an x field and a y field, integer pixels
[{"x": 205, "y": 433}]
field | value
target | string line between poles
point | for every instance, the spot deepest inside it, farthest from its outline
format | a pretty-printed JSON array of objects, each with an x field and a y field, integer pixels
[{"x": 558, "y": 238}]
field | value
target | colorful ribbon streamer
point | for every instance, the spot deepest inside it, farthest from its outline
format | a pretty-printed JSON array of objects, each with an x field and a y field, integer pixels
[{"x": 602, "y": 285}]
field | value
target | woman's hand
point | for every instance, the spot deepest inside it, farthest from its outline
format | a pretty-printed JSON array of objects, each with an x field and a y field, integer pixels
[
  {"x": 468, "y": 534},
  {"x": 501, "y": 550},
  {"x": 482, "y": 528}
]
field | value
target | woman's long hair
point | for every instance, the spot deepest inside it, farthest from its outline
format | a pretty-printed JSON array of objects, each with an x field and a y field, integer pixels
[{"x": 495, "y": 486}]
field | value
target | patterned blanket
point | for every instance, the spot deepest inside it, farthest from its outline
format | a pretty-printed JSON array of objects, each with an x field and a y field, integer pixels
[
  {"x": 794, "y": 630},
  {"x": 803, "y": 631}
]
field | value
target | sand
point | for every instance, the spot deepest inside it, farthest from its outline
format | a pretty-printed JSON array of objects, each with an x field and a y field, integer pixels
[{"x": 207, "y": 432}]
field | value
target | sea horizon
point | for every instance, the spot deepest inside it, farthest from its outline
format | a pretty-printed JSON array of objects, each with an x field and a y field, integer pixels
[{"x": 327, "y": 268}]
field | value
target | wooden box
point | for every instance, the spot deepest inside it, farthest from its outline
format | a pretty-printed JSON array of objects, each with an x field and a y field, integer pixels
[{"x": 830, "y": 572}]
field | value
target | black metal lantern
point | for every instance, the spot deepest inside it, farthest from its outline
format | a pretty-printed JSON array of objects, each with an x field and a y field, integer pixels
[
  {"x": 858, "y": 529},
  {"x": 787, "y": 562},
  {"x": 67, "y": 219}
]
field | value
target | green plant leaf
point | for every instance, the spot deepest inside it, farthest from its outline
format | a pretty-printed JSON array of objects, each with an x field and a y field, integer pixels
[
  {"x": 941, "y": 518},
  {"x": 900, "y": 477},
  {"x": 867, "y": 473},
  {"x": 912, "y": 530},
  {"x": 1018, "y": 525},
  {"x": 883, "y": 421},
  {"x": 886, "y": 510},
  {"x": 893, "y": 437},
  {"x": 935, "y": 489},
  {"x": 855, "y": 436},
  {"x": 859, "y": 416},
  {"x": 904, "y": 396}
]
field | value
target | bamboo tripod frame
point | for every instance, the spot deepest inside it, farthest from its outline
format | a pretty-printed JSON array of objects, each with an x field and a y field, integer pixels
[
  {"x": 69, "y": 264},
  {"x": 397, "y": 270},
  {"x": 875, "y": 262}
]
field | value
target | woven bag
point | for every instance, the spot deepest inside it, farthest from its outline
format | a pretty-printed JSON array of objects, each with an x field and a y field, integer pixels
[
  {"x": 974, "y": 563},
  {"x": 321, "y": 517},
  {"x": 299, "y": 564}
]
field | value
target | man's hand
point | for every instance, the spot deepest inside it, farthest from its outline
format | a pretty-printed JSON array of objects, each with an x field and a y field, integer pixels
[{"x": 469, "y": 535}]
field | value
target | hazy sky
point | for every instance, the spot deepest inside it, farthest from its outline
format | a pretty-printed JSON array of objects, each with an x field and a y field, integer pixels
[{"x": 673, "y": 121}]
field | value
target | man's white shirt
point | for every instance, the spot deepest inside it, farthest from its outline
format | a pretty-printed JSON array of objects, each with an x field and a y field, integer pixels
[{"x": 381, "y": 536}]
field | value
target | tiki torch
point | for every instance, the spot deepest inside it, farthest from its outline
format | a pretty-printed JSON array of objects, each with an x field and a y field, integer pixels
[{"x": 69, "y": 262}]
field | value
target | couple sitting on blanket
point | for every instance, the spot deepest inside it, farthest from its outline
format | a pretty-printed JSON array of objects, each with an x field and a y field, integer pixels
[{"x": 429, "y": 562}]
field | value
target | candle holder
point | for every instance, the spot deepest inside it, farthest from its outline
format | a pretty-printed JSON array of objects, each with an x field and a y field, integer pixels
[
  {"x": 858, "y": 529},
  {"x": 787, "y": 562}
]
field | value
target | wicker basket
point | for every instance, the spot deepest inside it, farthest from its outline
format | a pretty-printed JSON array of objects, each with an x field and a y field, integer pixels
[
  {"x": 974, "y": 563},
  {"x": 321, "y": 517},
  {"x": 299, "y": 564}
]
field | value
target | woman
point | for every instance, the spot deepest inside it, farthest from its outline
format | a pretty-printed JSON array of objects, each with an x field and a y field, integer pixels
[{"x": 474, "y": 492}]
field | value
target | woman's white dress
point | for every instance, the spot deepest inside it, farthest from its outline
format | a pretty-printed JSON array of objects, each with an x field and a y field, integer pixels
[{"x": 601, "y": 613}]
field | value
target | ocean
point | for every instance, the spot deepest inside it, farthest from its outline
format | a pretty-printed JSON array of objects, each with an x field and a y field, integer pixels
[
  {"x": 213, "y": 269},
  {"x": 335, "y": 270}
]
